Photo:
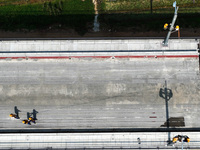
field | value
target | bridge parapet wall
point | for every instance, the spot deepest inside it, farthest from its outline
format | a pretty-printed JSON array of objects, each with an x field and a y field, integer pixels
[{"x": 94, "y": 45}]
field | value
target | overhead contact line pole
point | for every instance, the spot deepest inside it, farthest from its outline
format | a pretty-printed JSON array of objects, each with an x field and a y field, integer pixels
[{"x": 165, "y": 42}]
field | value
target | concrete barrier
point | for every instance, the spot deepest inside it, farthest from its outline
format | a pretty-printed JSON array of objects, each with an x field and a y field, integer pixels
[
  {"x": 130, "y": 140},
  {"x": 100, "y": 48},
  {"x": 93, "y": 45}
]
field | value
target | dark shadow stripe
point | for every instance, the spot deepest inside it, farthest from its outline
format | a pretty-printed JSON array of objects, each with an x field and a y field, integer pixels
[
  {"x": 102, "y": 130},
  {"x": 100, "y": 51},
  {"x": 95, "y": 38}
]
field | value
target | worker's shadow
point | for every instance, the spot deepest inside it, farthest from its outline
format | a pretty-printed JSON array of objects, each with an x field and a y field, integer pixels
[
  {"x": 33, "y": 114},
  {"x": 16, "y": 111}
]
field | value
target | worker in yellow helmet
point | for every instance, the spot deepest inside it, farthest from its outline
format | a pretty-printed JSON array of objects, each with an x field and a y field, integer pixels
[
  {"x": 31, "y": 119},
  {"x": 175, "y": 139},
  {"x": 14, "y": 116},
  {"x": 186, "y": 139},
  {"x": 177, "y": 27},
  {"x": 26, "y": 122},
  {"x": 166, "y": 26}
]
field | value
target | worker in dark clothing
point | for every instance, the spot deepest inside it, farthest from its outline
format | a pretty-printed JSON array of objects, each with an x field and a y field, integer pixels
[{"x": 186, "y": 139}]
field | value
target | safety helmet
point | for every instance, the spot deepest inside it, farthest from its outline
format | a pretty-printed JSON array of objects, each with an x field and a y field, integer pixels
[
  {"x": 175, "y": 139},
  {"x": 177, "y": 27}
]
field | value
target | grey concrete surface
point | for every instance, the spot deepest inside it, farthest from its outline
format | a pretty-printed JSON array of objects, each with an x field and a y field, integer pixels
[
  {"x": 99, "y": 93},
  {"x": 97, "y": 141},
  {"x": 100, "y": 48},
  {"x": 92, "y": 45}
]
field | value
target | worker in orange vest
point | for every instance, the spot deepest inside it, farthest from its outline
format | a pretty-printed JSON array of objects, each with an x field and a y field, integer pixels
[
  {"x": 26, "y": 122},
  {"x": 14, "y": 116},
  {"x": 31, "y": 119}
]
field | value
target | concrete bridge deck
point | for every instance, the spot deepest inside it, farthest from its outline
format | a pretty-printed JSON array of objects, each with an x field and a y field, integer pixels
[
  {"x": 103, "y": 93},
  {"x": 90, "y": 93}
]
